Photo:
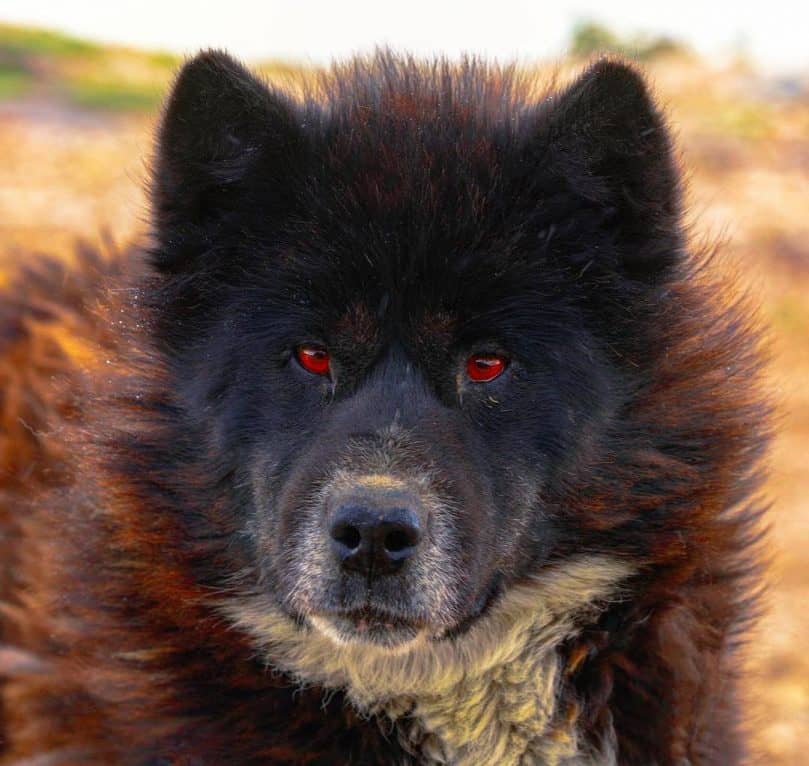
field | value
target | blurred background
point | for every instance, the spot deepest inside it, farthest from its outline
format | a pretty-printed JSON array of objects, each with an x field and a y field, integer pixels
[{"x": 81, "y": 84}]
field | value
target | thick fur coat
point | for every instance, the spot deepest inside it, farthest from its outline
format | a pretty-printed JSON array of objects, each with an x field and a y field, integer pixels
[{"x": 589, "y": 564}]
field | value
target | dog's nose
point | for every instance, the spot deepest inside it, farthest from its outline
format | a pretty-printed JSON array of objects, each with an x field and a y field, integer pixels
[{"x": 374, "y": 537}]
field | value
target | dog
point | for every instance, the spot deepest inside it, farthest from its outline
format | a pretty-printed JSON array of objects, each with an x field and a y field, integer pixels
[{"x": 418, "y": 432}]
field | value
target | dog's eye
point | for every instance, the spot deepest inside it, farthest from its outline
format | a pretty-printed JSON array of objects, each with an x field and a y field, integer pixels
[
  {"x": 485, "y": 367},
  {"x": 313, "y": 359}
]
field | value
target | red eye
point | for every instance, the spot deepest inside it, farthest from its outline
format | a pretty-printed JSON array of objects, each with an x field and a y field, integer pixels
[
  {"x": 485, "y": 367},
  {"x": 313, "y": 359}
]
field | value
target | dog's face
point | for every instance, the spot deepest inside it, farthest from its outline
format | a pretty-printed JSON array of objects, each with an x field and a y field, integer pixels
[
  {"x": 400, "y": 443},
  {"x": 399, "y": 321}
]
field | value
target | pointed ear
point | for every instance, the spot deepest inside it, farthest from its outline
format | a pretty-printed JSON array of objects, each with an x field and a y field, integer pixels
[
  {"x": 605, "y": 134},
  {"x": 224, "y": 135}
]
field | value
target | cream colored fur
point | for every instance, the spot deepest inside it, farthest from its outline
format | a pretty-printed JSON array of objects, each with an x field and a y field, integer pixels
[{"x": 487, "y": 698}]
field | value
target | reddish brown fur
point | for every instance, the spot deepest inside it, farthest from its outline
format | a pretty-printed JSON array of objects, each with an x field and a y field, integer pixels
[
  {"x": 61, "y": 699},
  {"x": 135, "y": 668},
  {"x": 78, "y": 671}
]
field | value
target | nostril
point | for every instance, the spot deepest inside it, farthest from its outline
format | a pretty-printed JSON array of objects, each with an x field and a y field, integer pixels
[
  {"x": 347, "y": 534},
  {"x": 398, "y": 539},
  {"x": 374, "y": 539}
]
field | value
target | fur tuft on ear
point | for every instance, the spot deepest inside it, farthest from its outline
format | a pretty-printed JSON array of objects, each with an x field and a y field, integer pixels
[
  {"x": 605, "y": 134},
  {"x": 222, "y": 127}
]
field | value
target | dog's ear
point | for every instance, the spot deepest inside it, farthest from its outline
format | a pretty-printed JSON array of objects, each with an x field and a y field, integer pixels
[
  {"x": 606, "y": 137},
  {"x": 224, "y": 135}
]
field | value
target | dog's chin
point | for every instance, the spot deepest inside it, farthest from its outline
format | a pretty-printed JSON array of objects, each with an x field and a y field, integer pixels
[
  {"x": 366, "y": 628},
  {"x": 371, "y": 628}
]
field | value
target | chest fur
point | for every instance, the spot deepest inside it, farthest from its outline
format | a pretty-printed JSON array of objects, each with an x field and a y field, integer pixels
[
  {"x": 512, "y": 715},
  {"x": 492, "y": 697}
]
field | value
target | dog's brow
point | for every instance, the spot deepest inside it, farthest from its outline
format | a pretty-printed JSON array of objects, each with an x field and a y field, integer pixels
[
  {"x": 358, "y": 321},
  {"x": 439, "y": 325}
]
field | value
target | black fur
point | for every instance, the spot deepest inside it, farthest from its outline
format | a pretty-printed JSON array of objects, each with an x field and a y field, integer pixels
[{"x": 404, "y": 216}]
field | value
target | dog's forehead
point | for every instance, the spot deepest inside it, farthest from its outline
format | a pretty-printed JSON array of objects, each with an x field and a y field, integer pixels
[
  {"x": 368, "y": 324},
  {"x": 405, "y": 168},
  {"x": 359, "y": 322}
]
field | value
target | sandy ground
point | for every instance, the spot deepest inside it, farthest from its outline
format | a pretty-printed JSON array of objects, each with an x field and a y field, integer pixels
[{"x": 67, "y": 173}]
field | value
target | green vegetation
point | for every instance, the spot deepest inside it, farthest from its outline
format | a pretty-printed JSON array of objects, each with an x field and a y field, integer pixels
[
  {"x": 59, "y": 67},
  {"x": 13, "y": 84},
  {"x": 14, "y": 77},
  {"x": 114, "y": 95},
  {"x": 44, "y": 42},
  {"x": 590, "y": 38}
]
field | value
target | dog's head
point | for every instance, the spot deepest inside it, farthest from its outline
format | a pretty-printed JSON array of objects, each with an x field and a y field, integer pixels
[{"x": 401, "y": 314}]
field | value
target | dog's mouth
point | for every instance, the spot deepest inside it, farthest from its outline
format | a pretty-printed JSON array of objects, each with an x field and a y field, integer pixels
[{"x": 370, "y": 626}]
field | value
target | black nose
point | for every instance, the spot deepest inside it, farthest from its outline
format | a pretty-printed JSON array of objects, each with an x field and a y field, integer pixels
[{"x": 372, "y": 540}]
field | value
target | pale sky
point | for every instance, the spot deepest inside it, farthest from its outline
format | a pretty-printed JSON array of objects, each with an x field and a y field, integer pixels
[{"x": 775, "y": 33}]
